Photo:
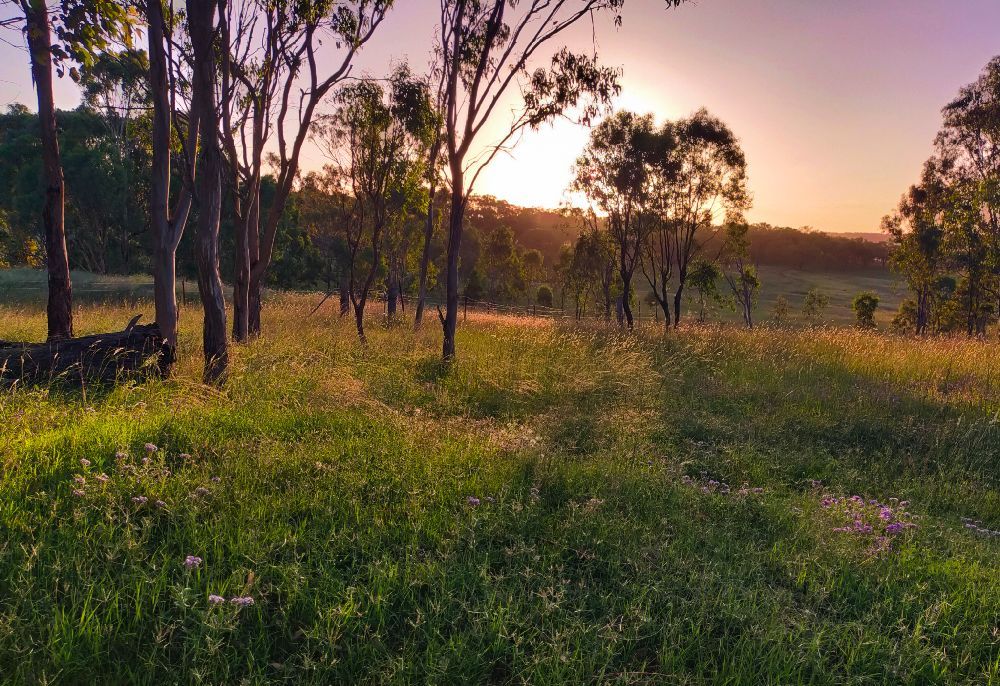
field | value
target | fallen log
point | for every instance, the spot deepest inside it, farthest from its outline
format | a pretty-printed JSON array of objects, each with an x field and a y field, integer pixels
[{"x": 100, "y": 358}]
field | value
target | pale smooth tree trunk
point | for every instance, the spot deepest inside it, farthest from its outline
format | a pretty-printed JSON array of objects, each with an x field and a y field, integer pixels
[
  {"x": 167, "y": 230},
  {"x": 60, "y": 297},
  {"x": 209, "y": 190}
]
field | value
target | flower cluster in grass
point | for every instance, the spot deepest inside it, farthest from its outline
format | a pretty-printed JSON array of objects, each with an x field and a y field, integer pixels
[
  {"x": 706, "y": 485},
  {"x": 878, "y": 523},
  {"x": 131, "y": 476},
  {"x": 148, "y": 473},
  {"x": 976, "y": 527}
]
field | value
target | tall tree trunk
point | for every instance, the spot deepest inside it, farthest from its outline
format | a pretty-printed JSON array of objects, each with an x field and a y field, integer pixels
[
  {"x": 678, "y": 294},
  {"x": 392, "y": 297},
  {"x": 425, "y": 259},
  {"x": 60, "y": 299},
  {"x": 345, "y": 293},
  {"x": 254, "y": 303},
  {"x": 209, "y": 185},
  {"x": 450, "y": 322},
  {"x": 359, "y": 321},
  {"x": 166, "y": 230},
  {"x": 241, "y": 277}
]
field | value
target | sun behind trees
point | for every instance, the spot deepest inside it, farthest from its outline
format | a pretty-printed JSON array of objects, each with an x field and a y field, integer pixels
[{"x": 662, "y": 191}]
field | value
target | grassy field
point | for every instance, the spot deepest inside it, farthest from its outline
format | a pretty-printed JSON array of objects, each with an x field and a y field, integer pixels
[
  {"x": 562, "y": 506},
  {"x": 27, "y": 286},
  {"x": 793, "y": 284}
]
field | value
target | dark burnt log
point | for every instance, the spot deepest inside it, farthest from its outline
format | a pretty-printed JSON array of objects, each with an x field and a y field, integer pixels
[{"x": 100, "y": 358}]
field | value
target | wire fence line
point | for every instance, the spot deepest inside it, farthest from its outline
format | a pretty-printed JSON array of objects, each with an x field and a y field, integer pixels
[
  {"x": 136, "y": 292},
  {"x": 467, "y": 305}
]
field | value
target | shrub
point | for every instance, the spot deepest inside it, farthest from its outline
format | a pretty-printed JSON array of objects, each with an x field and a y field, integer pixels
[
  {"x": 864, "y": 305},
  {"x": 544, "y": 296}
]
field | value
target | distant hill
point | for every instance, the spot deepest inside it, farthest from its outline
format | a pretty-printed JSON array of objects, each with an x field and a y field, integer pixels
[
  {"x": 872, "y": 236},
  {"x": 547, "y": 231}
]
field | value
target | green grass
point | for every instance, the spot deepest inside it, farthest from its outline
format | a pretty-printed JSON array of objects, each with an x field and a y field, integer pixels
[
  {"x": 600, "y": 551},
  {"x": 840, "y": 288}
]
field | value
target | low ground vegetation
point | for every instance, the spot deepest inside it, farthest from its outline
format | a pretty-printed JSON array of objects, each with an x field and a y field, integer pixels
[{"x": 563, "y": 505}]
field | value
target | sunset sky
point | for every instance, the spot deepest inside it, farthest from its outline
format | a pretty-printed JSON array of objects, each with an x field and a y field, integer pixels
[{"x": 836, "y": 101}]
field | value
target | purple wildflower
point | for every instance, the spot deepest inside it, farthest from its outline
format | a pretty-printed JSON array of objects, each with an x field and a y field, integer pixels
[
  {"x": 216, "y": 599},
  {"x": 160, "y": 504},
  {"x": 216, "y": 479},
  {"x": 192, "y": 562},
  {"x": 151, "y": 448},
  {"x": 103, "y": 478},
  {"x": 894, "y": 528},
  {"x": 85, "y": 462},
  {"x": 472, "y": 501},
  {"x": 79, "y": 480},
  {"x": 121, "y": 456},
  {"x": 242, "y": 601},
  {"x": 861, "y": 527},
  {"x": 885, "y": 513},
  {"x": 201, "y": 490},
  {"x": 78, "y": 493},
  {"x": 140, "y": 500}
]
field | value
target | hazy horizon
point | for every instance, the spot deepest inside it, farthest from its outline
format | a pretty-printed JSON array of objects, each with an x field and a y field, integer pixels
[{"x": 836, "y": 105}]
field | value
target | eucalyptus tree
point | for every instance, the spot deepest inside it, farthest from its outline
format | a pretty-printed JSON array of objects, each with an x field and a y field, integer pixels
[
  {"x": 168, "y": 217},
  {"x": 968, "y": 146},
  {"x": 116, "y": 87},
  {"x": 377, "y": 141},
  {"x": 59, "y": 36},
  {"x": 484, "y": 51},
  {"x": 738, "y": 271},
  {"x": 656, "y": 255},
  {"x": 204, "y": 29},
  {"x": 275, "y": 64},
  {"x": 703, "y": 277},
  {"x": 917, "y": 233},
  {"x": 614, "y": 174},
  {"x": 709, "y": 184}
]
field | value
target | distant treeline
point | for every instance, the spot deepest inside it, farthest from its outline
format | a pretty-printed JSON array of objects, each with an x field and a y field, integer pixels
[
  {"x": 812, "y": 250},
  {"x": 107, "y": 224}
]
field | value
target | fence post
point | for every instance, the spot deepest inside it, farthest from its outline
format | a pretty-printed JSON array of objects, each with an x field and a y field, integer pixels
[{"x": 465, "y": 310}]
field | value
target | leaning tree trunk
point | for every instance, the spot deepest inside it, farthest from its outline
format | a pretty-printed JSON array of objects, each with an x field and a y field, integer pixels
[
  {"x": 60, "y": 298},
  {"x": 209, "y": 196},
  {"x": 450, "y": 321},
  {"x": 626, "y": 298}
]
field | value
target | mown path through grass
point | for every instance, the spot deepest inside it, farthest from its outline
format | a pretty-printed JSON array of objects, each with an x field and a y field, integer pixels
[{"x": 562, "y": 506}]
